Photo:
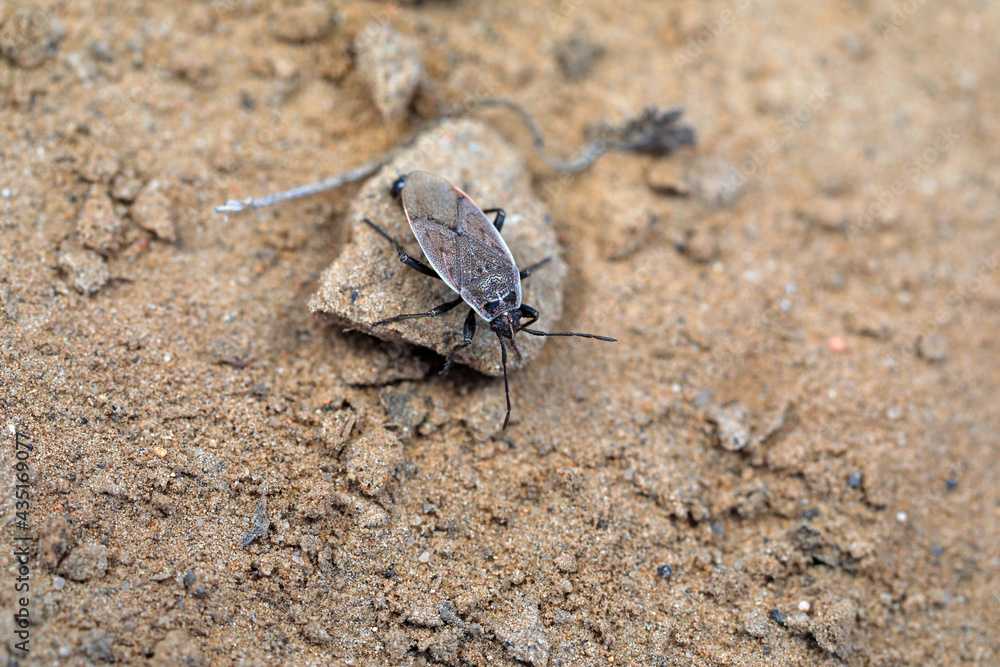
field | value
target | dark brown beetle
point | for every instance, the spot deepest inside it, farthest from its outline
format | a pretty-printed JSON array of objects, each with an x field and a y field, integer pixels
[{"x": 467, "y": 252}]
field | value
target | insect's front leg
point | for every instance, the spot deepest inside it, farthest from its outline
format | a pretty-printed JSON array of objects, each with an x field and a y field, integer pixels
[
  {"x": 529, "y": 312},
  {"x": 467, "y": 336},
  {"x": 414, "y": 264}
]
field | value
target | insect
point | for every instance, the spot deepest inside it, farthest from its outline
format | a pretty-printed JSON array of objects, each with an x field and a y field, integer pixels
[{"x": 466, "y": 251}]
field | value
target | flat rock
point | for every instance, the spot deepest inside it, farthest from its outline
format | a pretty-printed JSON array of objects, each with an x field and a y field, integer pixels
[{"x": 367, "y": 283}]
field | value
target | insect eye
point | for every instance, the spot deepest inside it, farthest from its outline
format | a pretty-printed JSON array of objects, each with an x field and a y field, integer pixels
[
  {"x": 510, "y": 298},
  {"x": 491, "y": 306}
]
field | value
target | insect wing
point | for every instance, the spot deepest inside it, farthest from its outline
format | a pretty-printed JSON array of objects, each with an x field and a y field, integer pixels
[
  {"x": 430, "y": 197},
  {"x": 457, "y": 238},
  {"x": 474, "y": 224},
  {"x": 441, "y": 247}
]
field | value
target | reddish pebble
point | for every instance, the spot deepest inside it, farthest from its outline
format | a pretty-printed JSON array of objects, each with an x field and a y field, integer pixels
[{"x": 837, "y": 343}]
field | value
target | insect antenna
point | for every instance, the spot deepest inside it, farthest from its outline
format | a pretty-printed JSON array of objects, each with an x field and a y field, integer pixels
[
  {"x": 569, "y": 333},
  {"x": 506, "y": 386}
]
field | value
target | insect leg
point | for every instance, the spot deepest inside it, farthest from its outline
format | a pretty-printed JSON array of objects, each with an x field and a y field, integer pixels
[
  {"x": 403, "y": 257},
  {"x": 528, "y": 271},
  {"x": 506, "y": 386},
  {"x": 501, "y": 216},
  {"x": 516, "y": 351},
  {"x": 468, "y": 334},
  {"x": 530, "y": 313},
  {"x": 433, "y": 312}
]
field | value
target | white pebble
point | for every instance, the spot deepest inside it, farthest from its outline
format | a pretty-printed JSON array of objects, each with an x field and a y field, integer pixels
[
  {"x": 901, "y": 517},
  {"x": 425, "y": 556},
  {"x": 804, "y": 606}
]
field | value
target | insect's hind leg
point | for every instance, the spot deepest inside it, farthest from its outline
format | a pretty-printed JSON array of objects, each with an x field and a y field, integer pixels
[
  {"x": 531, "y": 269},
  {"x": 415, "y": 264},
  {"x": 433, "y": 312},
  {"x": 501, "y": 216},
  {"x": 467, "y": 336}
]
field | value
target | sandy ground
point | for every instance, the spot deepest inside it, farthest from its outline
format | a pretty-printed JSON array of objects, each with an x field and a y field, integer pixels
[{"x": 789, "y": 457}]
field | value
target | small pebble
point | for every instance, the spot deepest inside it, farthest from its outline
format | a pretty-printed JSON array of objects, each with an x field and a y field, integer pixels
[
  {"x": 837, "y": 344},
  {"x": 58, "y": 583},
  {"x": 425, "y": 557},
  {"x": 390, "y": 65},
  {"x": 778, "y": 617},
  {"x": 259, "y": 524},
  {"x": 731, "y": 425},
  {"x": 308, "y": 22},
  {"x": 153, "y": 211},
  {"x": 664, "y": 177},
  {"x": 933, "y": 348},
  {"x": 86, "y": 270},
  {"x": 665, "y": 571},
  {"x": 901, "y": 517},
  {"x": 701, "y": 247},
  {"x": 716, "y": 181},
  {"x": 854, "y": 479},
  {"x": 566, "y": 563},
  {"x": 804, "y": 606},
  {"x": 87, "y": 561}
]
